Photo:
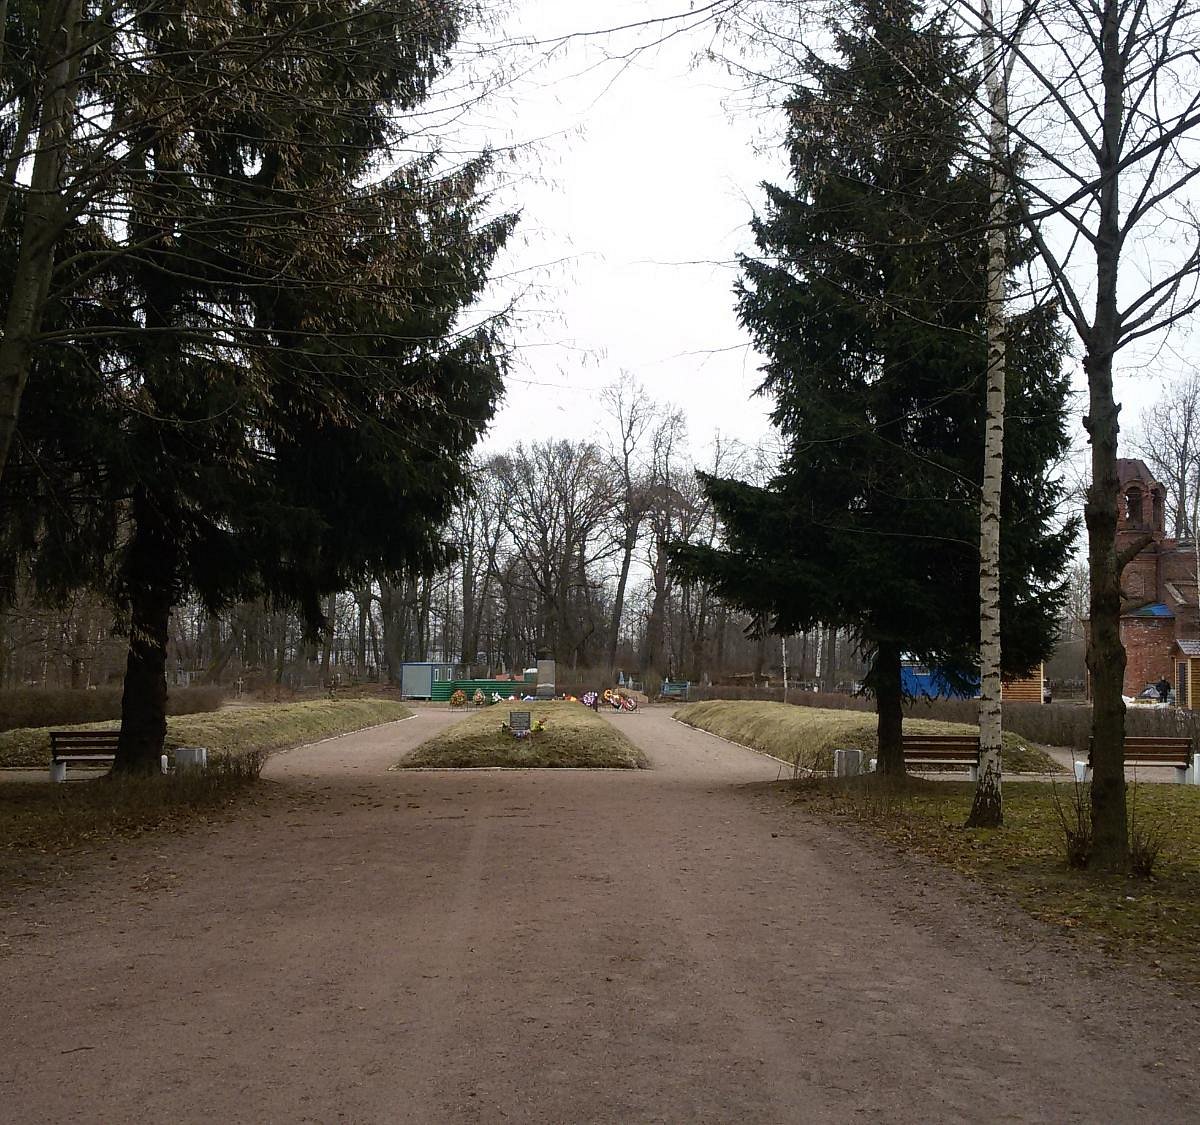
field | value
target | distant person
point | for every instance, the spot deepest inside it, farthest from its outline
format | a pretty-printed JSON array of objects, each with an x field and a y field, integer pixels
[{"x": 1164, "y": 689}]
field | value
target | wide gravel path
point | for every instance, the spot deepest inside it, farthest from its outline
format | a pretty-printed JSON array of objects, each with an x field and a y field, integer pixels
[{"x": 674, "y": 945}]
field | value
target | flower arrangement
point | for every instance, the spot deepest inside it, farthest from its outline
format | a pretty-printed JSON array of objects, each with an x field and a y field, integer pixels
[
  {"x": 480, "y": 699},
  {"x": 537, "y": 728},
  {"x": 459, "y": 698}
]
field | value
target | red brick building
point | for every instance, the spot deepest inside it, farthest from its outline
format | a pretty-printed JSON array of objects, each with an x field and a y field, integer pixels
[{"x": 1160, "y": 626}]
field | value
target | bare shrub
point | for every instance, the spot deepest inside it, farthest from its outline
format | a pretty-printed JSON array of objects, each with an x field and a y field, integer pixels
[
  {"x": 1075, "y": 819},
  {"x": 1145, "y": 840},
  {"x": 1145, "y": 846}
]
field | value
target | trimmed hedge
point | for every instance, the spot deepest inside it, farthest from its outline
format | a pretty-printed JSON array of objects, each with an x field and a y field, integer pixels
[{"x": 55, "y": 707}]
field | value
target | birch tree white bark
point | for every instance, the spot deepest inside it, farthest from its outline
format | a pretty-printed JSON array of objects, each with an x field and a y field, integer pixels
[{"x": 987, "y": 809}]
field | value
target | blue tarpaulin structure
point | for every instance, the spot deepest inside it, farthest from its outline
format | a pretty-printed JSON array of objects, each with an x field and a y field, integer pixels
[{"x": 922, "y": 681}]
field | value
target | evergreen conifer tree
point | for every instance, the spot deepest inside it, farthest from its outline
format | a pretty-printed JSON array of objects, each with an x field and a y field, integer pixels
[
  {"x": 264, "y": 384},
  {"x": 868, "y": 300}
]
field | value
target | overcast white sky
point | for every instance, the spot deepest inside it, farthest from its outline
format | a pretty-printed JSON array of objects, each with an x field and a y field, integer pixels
[{"x": 641, "y": 193}]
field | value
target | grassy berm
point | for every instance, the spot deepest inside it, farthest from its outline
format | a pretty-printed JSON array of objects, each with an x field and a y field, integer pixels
[
  {"x": 574, "y": 738},
  {"x": 239, "y": 730},
  {"x": 1154, "y": 922},
  {"x": 47, "y": 818},
  {"x": 808, "y": 736}
]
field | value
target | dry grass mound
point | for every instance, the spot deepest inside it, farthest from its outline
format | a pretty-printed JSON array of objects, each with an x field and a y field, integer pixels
[
  {"x": 574, "y": 737},
  {"x": 808, "y": 736},
  {"x": 238, "y": 731},
  {"x": 48, "y": 818}
]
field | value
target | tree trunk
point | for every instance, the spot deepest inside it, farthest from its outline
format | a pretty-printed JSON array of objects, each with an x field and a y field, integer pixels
[
  {"x": 363, "y": 599},
  {"x": 889, "y": 707},
  {"x": 424, "y": 609},
  {"x": 987, "y": 809},
  {"x": 614, "y": 637},
  {"x": 392, "y": 644},
  {"x": 327, "y": 638},
  {"x": 831, "y": 659},
  {"x": 79, "y": 647},
  {"x": 150, "y": 580},
  {"x": 655, "y": 626},
  {"x": 1105, "y": 653},
  {"x": 470, "y": 616},
  {"x": 43, "y": 218}
]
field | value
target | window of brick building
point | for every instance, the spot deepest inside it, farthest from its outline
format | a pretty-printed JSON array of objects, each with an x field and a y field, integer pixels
[{"x": 1133, "y": 507}]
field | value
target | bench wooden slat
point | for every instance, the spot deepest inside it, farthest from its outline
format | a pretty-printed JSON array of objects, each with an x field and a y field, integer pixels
[
  {"x": 83, "y": 745},
  {"x": 1155, "y": 750},
  {"x": 939, "y": 750}
]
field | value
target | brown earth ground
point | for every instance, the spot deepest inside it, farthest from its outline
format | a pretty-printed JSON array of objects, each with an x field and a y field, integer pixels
[{"x": 674, "y": 945}]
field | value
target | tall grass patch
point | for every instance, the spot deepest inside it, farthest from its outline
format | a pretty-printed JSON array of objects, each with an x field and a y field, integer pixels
[
  {"x": 49, "y": 817},
  {"x": 573, "y": 737},
  {"x": 807, "y": 736},
  {"x": 239, "y": 731}
]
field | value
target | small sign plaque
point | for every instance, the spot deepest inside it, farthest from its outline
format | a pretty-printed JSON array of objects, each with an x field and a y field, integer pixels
[{"x": 518, "y": 721}]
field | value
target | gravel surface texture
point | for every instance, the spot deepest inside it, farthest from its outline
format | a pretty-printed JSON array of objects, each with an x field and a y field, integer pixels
[{"x": 673, "y": 945}]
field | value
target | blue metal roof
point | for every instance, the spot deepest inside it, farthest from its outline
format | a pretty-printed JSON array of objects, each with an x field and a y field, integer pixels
[{"x": 1158, "y": 609}]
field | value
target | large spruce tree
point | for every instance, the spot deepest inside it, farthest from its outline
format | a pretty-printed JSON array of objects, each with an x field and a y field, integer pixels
[
  {"x": 868, "y": 300},
  {"x": 261, "y": 381}
]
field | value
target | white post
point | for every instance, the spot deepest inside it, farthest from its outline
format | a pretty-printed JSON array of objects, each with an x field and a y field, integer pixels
[
  {"x": 1081, "y": 772},
  {"x": 58, "y": 771}
]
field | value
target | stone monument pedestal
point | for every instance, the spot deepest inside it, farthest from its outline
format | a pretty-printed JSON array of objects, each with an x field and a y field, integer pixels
[{"x": 545, "y": 679}]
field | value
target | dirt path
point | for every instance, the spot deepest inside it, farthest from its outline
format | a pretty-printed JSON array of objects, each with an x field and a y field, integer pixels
[{"x": 553, "y": 947}]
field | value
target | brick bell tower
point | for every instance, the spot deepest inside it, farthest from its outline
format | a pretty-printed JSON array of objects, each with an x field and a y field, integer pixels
[
  {"x": 1141, "y": 511},
  {"x": 1147, "y": 621}
]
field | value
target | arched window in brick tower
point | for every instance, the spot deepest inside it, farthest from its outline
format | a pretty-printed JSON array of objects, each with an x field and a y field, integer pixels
[
  {"x": 1134, "y": 515},
  {"x": 1157, "y": 500}
]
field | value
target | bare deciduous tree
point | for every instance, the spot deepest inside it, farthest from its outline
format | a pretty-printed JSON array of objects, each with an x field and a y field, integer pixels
[{"x": 1108, "y": 117}]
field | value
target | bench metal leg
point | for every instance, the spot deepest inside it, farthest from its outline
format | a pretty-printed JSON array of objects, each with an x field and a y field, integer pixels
[
  {"x": 1181, "y": 774},
  {"x": 1193, "y": 774},
  {"x": 973, "y": 772},
  {"x": 58, "y": 771}
]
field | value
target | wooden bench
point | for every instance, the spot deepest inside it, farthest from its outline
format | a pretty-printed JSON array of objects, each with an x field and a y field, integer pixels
[
  {"x": 96, "y": 746},
  {"x": 942, "y": 752},
  {"x": 1153, "y": 750}
]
